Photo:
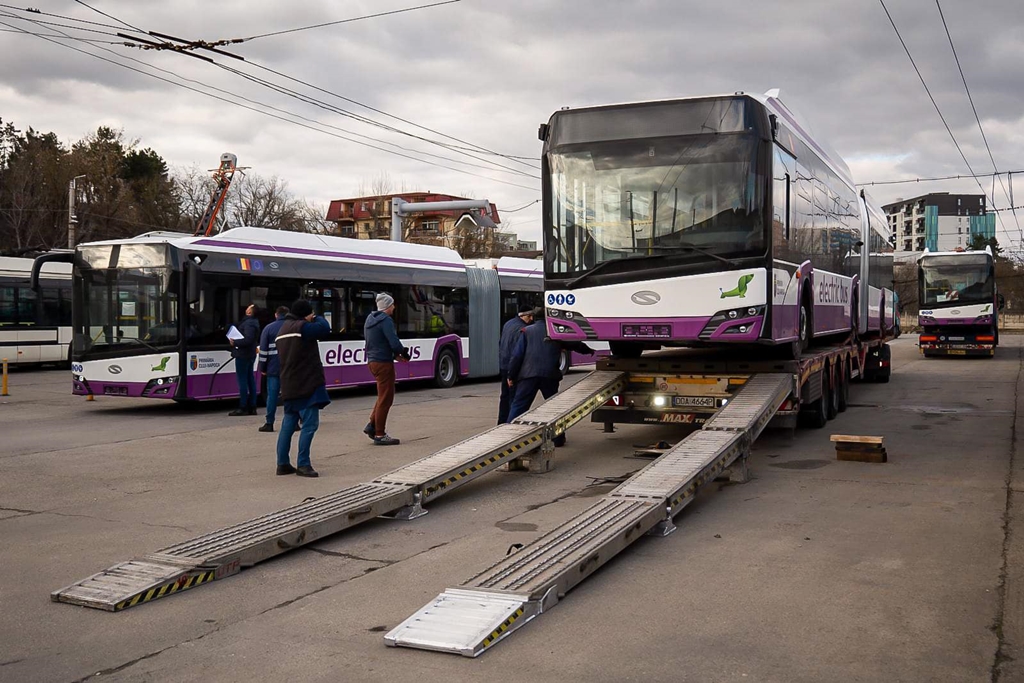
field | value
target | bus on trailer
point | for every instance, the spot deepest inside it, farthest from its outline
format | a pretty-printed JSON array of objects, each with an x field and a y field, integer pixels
[
  {"x": 959, "y": 303},
  {"x": 35, "y": 325},
  {"x": 706, "y": 221},
  {"x": 151, "y": 313}
]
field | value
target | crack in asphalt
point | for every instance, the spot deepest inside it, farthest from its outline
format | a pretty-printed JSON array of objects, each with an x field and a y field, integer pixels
[
  {"x": 28, "y": 513},
  {"x": 1001, "y": 656}
]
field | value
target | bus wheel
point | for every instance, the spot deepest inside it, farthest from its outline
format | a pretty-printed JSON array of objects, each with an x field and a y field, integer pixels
[
  {"x": 844, "y": 385},
  {"x": 621, "y": 349},
  {"x": 564, "y": 362},
  {"x": 802, "y": 341},
  {"x": 885, "y": 365},
  {"x": 446, "y": 370}
]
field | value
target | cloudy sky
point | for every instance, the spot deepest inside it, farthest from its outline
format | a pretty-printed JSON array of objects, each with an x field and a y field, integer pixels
[{"x": 489, "y": 71}]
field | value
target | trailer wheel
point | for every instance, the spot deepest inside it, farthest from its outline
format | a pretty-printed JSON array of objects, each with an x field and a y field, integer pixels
[
  {"x": 832, "y": 377},
  {"x": 844, "y": 385},
  {"x": 815, "y": 415},
  {"x": 446, "y": 370},
  {"x": 885, "y": 365}
]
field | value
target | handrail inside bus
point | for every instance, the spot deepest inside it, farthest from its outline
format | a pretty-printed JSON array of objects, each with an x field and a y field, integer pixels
[{"x": 55, "y": 256}]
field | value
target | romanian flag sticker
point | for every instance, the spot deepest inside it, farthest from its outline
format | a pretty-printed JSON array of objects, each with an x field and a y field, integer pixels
[{"x": 245, "y": 264}]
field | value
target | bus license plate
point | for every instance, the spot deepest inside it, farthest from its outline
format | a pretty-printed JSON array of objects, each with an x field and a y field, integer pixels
[
  {"x": 633, "y": 331},
  {"x": 694, "y": 401},
  {"x": 115, "y": 391},
  {"x": 957, "y": 352}
]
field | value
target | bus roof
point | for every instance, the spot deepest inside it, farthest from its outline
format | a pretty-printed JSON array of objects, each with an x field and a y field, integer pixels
[
  {"x": 257, "y": 242},
  {"x": 986, "y": 254},
  {"x": 22, "y": 267}
]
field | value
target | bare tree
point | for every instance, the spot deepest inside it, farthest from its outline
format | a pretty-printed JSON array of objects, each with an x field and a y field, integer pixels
[
  {"x": 261, "y": 202},
  {"x": 192, "y": 187}
]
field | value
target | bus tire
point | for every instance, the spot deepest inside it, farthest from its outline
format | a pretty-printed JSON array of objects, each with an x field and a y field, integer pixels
[
  {"x": 803, "y": 339},
  {"x": 844, "y": 385},
  {"x": 832, "y": 374},
  {"x": 624, "y": 349},
  {"x": 446, "y": 369},
  {"x": 564, "y": 362}
]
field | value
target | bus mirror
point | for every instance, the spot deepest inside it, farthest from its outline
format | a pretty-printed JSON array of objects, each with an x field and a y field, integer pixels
[
  {"x": 194, "y": 285},
  {"x": 1001, "y": 300}
]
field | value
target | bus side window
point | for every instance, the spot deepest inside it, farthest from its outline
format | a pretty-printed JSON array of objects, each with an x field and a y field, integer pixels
[{"x": 8, "y": 306}]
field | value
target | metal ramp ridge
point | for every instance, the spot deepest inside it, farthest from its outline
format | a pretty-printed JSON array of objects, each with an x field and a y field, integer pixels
[
  {"x": 473, "y": 617},
  {"x": 399, "y": 494}
]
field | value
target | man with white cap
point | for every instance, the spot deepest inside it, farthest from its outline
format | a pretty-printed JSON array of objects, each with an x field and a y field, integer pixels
[{"x": 382, "y": 348}]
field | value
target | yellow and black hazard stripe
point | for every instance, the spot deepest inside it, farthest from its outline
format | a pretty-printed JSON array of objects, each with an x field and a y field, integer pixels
[
  {"x": 505, "y": 626},
  {"x": 476, "y": 467},
  {"x": 586, "y": 408},
  {"x": 707, "y": 476},
  {"x": 182, "y": 583}
]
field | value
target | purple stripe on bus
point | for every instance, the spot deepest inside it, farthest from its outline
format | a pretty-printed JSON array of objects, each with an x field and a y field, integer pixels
[
  {"x": 983, "y": 320},
  {"x": 323, "y": 252}
]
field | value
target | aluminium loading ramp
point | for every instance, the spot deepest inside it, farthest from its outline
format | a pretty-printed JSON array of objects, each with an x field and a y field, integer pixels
[
  {"x": 399, "y": 494},
  {"x": 491, "y": 605}
]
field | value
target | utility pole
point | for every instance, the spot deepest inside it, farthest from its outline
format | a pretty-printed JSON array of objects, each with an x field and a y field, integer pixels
[{"x": 72, "y": 218}]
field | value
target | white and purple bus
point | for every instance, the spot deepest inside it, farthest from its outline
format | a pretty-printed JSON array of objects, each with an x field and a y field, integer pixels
[
  {"x": 713, "y": 220},
  {"x": 35, "y": 323},
  {"x": 959, "y": 303},
  {"x": 151, "y": 313}
]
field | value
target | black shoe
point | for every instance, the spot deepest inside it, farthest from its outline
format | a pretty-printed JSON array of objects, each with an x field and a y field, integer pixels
[
  {"x": 307, "y": 471},
  {"x": 238, "y": 412},
  {"x": 385, "y": 441},
  {"x": 251, "y": 411},
  {"x": 285, "y": 469},
  {"x": 267, "y": 427},
  {"x": 369, "y": 430}
]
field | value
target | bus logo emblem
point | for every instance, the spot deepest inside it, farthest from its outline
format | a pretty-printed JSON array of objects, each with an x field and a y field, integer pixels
[
  {"x": 646, "y": 298},
  {"x": 114, "y": 369},
  {"x": 193, "y": 362}
]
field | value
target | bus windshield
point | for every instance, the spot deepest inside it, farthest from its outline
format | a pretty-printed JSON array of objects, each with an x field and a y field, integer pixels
[
  {"x": 956, "y": 280},
  {"x": 689, "y": 194},
  {"x": 129, "y": 300}
]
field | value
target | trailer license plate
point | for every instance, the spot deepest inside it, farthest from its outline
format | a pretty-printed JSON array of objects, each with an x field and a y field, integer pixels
[
  {"x": 957, "y": 352},
  {"x": 694, "y": 401},
  {"x": 956, "y": 338}
]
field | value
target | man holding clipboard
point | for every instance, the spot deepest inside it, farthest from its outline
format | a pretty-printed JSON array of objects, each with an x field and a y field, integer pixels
[{"x": 243, "y": 340}]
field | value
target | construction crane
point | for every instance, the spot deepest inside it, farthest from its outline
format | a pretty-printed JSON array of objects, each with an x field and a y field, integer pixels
[{"x": 222, "y": 177}]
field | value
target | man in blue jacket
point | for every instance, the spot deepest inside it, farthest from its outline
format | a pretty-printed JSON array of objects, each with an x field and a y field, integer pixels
[
  {"x": 270, "y": 366},
  {"x": 534, "y": 367},
  {"x": 382, "y": 348},
  {"x": 303, "y": 387},
  {"x": 244, "y": 352},
  {"x": 506, "y": 345}
]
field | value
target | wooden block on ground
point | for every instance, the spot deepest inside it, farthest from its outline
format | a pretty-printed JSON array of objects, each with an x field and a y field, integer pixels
[
  {"x": 846, "y": 438},
  {"x": 862, "y": 455}
]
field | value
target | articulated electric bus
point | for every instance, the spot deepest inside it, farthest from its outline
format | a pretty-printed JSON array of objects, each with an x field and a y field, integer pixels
[
  {"x": 35, "y": 324},
  {"x": 151, "y": 313},
  {"x": 959, "y": 303},
  {"x": 714, "y": 220}
]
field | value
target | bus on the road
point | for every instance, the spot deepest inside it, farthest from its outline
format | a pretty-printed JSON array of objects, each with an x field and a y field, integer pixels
[
  {"x": 151, "y": 313},
  {"x": 959, "y": 303},
  {"x": 35, "y": 326}
]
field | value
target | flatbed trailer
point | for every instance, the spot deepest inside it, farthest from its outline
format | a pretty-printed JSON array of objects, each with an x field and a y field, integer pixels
[{"x": 741, "y": 396}]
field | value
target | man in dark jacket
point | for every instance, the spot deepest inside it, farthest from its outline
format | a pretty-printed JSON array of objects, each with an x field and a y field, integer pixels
[
  {"x": 270, "y": 368},
  {"x": 506, "y": 345},
  {"x": 244, "y": 352},
  {"x": 382, "y": 348},
  {"x": 534, "y": 367},
  {"x": 303, "y": 388}
]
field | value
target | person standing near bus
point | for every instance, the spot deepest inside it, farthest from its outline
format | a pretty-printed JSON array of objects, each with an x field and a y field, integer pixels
[
  {"x": 270, "y": 368},
  {"x": 244, "y": 352},
  {"x": 303, "y": 387},
  {"x": 507, "y": 344},
  {"x": 534, "y": 367},
  {"x": 382, "y": 348}
]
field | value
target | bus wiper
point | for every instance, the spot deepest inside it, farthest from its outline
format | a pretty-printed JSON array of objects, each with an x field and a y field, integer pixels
[
  {"x": 136, "y": 339},
  {"x": 601, "y": 266},
  {"x": 705, "y": 252}
]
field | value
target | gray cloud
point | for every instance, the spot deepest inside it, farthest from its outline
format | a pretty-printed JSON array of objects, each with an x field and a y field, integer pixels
[{"x": 489, "y": 72}]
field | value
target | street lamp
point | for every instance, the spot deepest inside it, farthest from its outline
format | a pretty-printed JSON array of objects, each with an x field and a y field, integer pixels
[{"x": 72, "y": 219}]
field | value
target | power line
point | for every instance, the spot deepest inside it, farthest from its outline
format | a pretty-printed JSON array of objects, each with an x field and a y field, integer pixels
[
  {"x": 32, "y": 10},
  {"x": 935, "y": 104},
  {"x": 265, "y": 113},
  {"x": 524, "y": 206},
  {"x": 976, "y": 117},
  {"x": 962, "y": 176},
  {"x": 95, "y": 41},
  {"x": 108, "y": 16},
  {"x": 340, "y": 21}
]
